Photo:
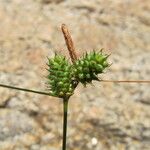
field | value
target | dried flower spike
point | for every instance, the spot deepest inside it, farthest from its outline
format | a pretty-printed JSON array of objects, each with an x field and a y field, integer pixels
[{"x": 69, "y": 43}]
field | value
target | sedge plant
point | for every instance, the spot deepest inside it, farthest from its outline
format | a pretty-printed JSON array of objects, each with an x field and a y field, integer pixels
[{"x": 64, "y": 76}]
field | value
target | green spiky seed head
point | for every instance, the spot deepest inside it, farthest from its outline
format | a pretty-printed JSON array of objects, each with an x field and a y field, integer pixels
[
  {"x": 60, "y": 77},
  {"x": 89, "y": 66}
]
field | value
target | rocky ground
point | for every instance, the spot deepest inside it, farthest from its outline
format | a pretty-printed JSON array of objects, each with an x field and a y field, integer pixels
[{"x": 105, "y": 116}]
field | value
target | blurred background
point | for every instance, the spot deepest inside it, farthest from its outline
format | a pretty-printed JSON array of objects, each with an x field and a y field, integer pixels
[{"x": 103, "y": 116}]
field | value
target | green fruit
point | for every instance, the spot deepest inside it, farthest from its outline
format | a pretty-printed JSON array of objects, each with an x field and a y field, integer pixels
[
  {"x": 89, "y": 66},
  {"x": 60, "y": 77},
  {"x": 81, "y": 76},
  {"x": 64, "y": 77},
  {"x": 88, "y": 76}
]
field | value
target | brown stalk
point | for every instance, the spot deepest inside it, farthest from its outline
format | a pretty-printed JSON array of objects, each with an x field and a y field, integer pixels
[
  {"x": 126, "y": 81},
  {"x": 69, "y": 43}
]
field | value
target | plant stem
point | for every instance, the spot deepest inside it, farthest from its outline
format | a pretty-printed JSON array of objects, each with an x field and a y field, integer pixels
[
  {"x": 65, "y": 109},
  {"x": 126, "y": 81},
  {"x": 24, "y": 89}
]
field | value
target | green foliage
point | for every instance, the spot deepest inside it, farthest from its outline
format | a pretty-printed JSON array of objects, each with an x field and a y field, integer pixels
[{"x": 63, "y": 77}]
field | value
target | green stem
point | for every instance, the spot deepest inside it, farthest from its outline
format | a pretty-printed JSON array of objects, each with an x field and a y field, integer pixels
[
  {"x": 23, "y": 89},
  {"x": 65, "y": 109}
]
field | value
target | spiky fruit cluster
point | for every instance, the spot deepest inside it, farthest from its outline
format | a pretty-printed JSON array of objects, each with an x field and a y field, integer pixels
[
  {"x": 60, "y": 77},
  {"x": 89, "y": 66},
  {"x": 63, "y": 77}
]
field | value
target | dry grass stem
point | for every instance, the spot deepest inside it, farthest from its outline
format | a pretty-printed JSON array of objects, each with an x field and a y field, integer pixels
[{"x": 127, "y": 81}]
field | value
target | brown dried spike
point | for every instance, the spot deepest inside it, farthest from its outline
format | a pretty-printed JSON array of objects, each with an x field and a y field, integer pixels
[{"x": 69, "y": 43}]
